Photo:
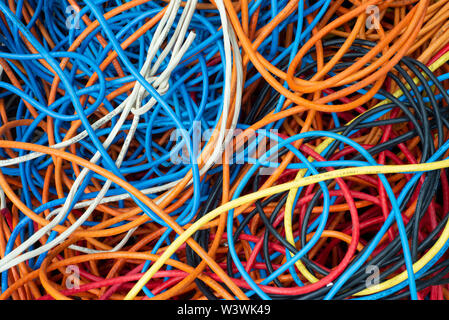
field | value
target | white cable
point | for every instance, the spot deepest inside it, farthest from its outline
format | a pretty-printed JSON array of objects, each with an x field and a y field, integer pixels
[
  {"x": 9, "y": 261},
  {"x": 222, "y": 143},
  {"x": 238, "y": 99},
  {"x": 161, "y": 83},
  {"x": 229, "y": 40},
  {"x": 118, "y": 247},
  {"x": 158, "y": 189},
  {"x": 163, "y": 28},
  {"x": 130, "y": 103},
  {"x": 2, "y": 199},
  {"x": 179, "y": 33},
  {"x": 229, "y": 37}
]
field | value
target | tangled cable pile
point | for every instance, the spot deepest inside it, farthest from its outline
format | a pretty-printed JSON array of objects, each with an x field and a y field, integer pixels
[{"x": 284, "y": 149}]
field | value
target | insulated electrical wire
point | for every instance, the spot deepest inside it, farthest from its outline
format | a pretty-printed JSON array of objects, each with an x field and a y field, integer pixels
[{"x": 285, "y": 149}]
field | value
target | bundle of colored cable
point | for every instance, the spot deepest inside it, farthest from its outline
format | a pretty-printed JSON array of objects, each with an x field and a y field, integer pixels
[{"x": 284, "y": 149}]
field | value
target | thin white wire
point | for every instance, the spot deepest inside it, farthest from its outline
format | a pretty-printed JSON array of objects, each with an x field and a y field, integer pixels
[
  {"x": 229, "y": 40},
  {"x": 2, "y": 199},
  {"x": 161, "y": 82},
  {"x": 158, "y": 189},
  {"x": 135, "y": 98},
  {"x": 118, "y": 247},
  {"x": 239, "y": 87},
  {"x": 237, "y": 103},
  {"x": 179, "y": 33},
  {"x": 13, "y": 259},
  {"x": 220, "y": 144},
  {"x": 163, "y": 28},
  {"x": 129, "y": 105}
]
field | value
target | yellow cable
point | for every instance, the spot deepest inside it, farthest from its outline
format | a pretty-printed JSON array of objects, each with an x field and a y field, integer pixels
[
  {"x": 288, "y": 213},
  {"x": 307, "y": 181},
  {"x": 303, "y": 182},
  {"x": 416, "y": 266},
  {"x": 297, "y": 184}
]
